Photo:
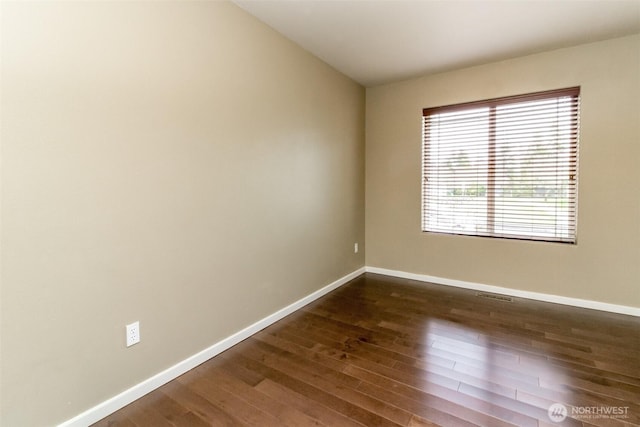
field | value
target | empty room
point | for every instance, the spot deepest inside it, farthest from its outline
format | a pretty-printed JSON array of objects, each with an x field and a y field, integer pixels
[{"x": 320, "y": 212}]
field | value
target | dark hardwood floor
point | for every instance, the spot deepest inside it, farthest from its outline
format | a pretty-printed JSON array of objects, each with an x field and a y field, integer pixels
[{"x": 382, "y": 351}]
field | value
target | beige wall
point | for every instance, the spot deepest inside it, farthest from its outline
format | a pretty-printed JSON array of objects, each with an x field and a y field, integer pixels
[
  {"x": 605, "y": 264},
  {"x": 176, "y": 163}
]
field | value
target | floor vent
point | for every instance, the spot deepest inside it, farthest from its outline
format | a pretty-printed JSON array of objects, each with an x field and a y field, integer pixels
[{"x": 494, "y": 296}]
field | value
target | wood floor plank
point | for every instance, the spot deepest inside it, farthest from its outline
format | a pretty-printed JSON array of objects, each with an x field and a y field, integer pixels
[
  {"x": 434, "y": 403},
  {"x": 189, "y": 419},
  {"x": 336, "y": 383},
  {"x": 469, "y": 406},
  {"x": 145, "y": 416},
  {"x": 434, "y": 409},
  {"x": 315, "y": 393},
  {"x": 164, "y": 405},
  {"x": 245, "y": 412},
  {"x": 218, "y": 376},
  {"x": 200, "y": 406},
  {"x": 383, "y": 351},
  {"x": 323, "y": 414},
  {"x": 118, "y": 419}
]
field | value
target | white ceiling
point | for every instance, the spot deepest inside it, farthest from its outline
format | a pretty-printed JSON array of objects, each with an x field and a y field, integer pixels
[{"x": 376, "y": 42}]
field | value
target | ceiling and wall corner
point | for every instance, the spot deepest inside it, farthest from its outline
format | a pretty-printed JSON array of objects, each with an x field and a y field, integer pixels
[{"x": 377, "y": 42}]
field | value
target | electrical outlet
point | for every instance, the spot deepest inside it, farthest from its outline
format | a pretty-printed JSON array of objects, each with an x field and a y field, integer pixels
[
  {"x": 133, "y": 333},
  {"x": 355, "y": 248}
]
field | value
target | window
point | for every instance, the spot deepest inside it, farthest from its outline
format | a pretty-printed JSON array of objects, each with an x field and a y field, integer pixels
[{"x": 504, "y": 167}]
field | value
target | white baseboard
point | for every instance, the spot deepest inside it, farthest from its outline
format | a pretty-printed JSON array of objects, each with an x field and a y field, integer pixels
[
  {"x": 576, "y": 302},
  {"x": 108, "y": 407},
  {"x": 111, "y": 405}
]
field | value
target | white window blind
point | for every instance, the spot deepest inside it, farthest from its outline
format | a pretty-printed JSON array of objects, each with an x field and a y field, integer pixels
[{"x": 504, "y": 167}]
